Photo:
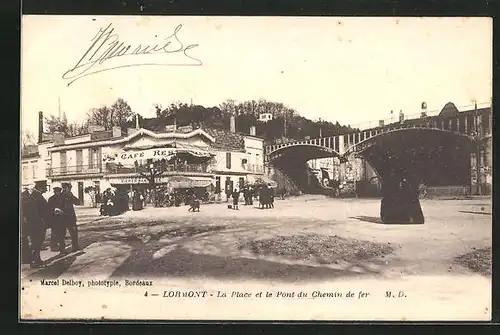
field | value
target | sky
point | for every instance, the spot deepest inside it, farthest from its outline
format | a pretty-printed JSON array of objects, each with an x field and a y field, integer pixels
[{"x": 350, "y": 70}]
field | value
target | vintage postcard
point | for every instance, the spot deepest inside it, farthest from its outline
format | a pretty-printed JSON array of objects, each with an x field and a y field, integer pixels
[{"x": 255, "y": 168}]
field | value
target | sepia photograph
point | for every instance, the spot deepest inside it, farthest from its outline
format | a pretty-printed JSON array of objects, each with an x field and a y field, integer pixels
[{"x": 255, "y": 168}]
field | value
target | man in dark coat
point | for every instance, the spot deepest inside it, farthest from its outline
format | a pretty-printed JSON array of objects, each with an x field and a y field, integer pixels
[
  {"x": 56, "y": 205},
  {"x": 271, "y": 197},
  {"x": 33, "y": 225},
  {"x": 250, "y": 191},
  {"x": 264, "y": 197},
  {"x": 236, "y": 197},
  {"x": 69, "y": 200}
]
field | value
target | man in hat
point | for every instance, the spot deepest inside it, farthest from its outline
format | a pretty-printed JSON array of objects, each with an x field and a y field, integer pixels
[
  {"x": 69, "y": 215},
  {"x": 56, "y": 204},
  {"x": 33, "y": 225}
]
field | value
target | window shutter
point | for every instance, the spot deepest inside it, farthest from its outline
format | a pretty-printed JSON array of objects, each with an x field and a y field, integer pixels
[{"x": 228, "y": 160}]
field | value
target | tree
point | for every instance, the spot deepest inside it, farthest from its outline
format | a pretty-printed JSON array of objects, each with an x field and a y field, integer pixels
[
  {"x": 55, "y": 124},
  {"x": 102, "y": 116},
  {"x": 116, "y": 115},
  {"x": 247, "y": 113},
  {"x": 228, "y": 107},
  {"x": 151, "y": 172},
  {"x": 121, "y": 112},
  {"x": 28, "y": 138},
  {"x": 91, "y": 191}
]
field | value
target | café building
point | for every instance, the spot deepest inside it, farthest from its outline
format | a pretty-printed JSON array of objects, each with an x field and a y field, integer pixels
[{"x": 175, "y": 157}]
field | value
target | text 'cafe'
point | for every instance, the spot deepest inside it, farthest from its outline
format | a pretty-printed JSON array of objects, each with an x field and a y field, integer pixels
[{"x": 133, "y": 168}]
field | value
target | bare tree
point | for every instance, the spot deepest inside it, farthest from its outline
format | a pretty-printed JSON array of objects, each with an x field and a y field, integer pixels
[
  {"x": 151, "y": 173},
  {"x": 121, "y": 112},
  {"x": 115, "y": 115},
  {"x": 69, "y": 129},
  {"x": 28, "y": 138},
  {"x": 228, "y": 106},
  {"x": 102, "y": 116}
]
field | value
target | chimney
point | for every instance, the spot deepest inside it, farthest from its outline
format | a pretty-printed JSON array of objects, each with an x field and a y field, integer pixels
[
  {"x": 117, "y": 131},
  {"x": 136, "y": 121},
  {"x": 252, "y": 131},
  {"x": 380, "y": 123},
  {"x": 40, "y": 127},
  {"x": 232, "y": 124}
]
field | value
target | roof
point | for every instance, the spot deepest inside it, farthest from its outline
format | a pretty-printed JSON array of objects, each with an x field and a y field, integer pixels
[
  {"x": 140, "y": 132},
  {"x": 47, "y": 137},
  {"x": 30, "y": 151},
  {"x": 226, "y": 140}
]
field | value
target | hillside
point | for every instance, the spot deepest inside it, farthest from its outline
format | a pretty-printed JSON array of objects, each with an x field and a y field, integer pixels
[{"x": 246, "y": 114}]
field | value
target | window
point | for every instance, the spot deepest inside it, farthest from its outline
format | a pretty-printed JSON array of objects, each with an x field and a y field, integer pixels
[
  {"x": 79, "y": 160},
  {"x": 25, "y": 172},
  {"x": 93, "y": 158},
  {"x": 228, "y": 160},
  {"x": 63, "y": 161},
  {"x": 33, "y": 170}
]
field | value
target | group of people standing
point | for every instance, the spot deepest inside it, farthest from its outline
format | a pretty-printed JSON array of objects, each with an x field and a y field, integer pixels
[
  {"x": 264, "y": 192},
  {"x": 114, "y": 202},
  {"x": 38, "y": 215},
  {"x": 266, "y": 196}
]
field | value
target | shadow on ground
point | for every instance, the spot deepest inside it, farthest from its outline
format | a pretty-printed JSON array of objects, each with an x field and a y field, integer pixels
[
  {"x": 373, "y": 219},
  {"x": 482, "y": 213},
  {"x": 183, "y": 262}
]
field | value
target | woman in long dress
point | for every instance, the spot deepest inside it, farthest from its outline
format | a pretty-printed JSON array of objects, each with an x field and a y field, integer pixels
[
  {"x": 400, "y": 203},
  {"x": 136, "y": 201}
]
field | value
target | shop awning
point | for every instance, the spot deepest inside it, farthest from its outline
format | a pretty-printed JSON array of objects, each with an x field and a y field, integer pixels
[{"x": 189, "y": 182}]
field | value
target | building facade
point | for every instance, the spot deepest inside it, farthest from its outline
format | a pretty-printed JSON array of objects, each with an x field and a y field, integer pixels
[{"x": 212, "y": 158}]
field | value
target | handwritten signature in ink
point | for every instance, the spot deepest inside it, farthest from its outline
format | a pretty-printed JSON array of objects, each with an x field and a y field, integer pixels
[{"x": 106, "y": 45}]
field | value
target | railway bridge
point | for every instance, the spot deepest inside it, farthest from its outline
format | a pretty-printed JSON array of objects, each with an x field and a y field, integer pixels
[{"x": 451, "y": 149}]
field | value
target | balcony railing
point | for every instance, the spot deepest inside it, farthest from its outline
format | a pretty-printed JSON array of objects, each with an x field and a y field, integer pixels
[
  {"x": 194, "y": 168},
  {"x": 72, "y": 170}
]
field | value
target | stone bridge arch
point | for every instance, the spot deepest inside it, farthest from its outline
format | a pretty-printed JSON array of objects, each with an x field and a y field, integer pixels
[
  {"x": 426, "y": 155},
  {"x": 291, "y": 161}
]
